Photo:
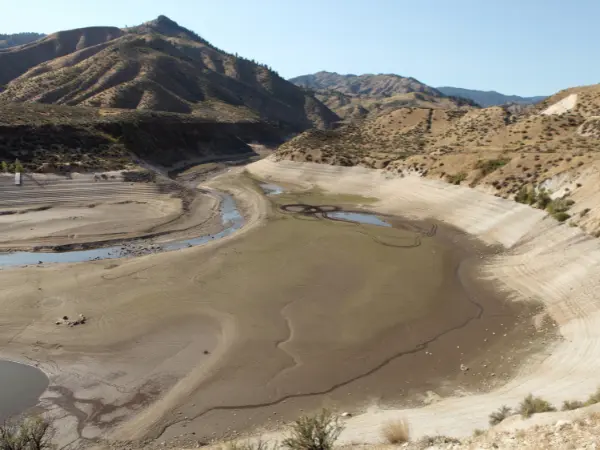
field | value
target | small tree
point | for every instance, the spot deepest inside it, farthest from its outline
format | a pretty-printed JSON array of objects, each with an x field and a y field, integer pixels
[
  {"x": 18, "y": 166},
  {"x": 4, "y": 166}
]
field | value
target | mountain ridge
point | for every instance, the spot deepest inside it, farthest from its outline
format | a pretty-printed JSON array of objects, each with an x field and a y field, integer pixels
[
  {"x": 16, "y": 39},
  {"x": 157, "y": 65},
  {"x": 355, "y": 97},
  {"x": 490, "y": 98}
]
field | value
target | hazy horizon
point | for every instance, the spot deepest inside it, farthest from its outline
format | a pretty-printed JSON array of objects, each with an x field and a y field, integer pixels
[{"x": 526, "y": 48}]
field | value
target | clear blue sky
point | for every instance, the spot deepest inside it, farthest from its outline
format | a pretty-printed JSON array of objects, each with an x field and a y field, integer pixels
[{"x": 524, "y": 47}]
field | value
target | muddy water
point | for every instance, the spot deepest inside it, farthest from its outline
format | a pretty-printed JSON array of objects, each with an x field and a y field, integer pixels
[{"x": 20, "y": 388}]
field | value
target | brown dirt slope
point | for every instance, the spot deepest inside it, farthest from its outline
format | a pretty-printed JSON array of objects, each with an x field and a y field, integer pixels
[
  {"x": 156, "y": 66},
  {"x": 502, "y": 149}
]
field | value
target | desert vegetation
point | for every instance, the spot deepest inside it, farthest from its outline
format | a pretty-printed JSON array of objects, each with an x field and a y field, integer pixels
[
  {"x": 396, "y": 431},
  {"x": 533, "y": 405},
  {"x": 318, "y": 432},
  {"x": 33, "y": 433}
]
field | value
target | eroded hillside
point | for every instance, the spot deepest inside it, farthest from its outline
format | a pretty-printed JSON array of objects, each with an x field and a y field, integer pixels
[{"x": 156, "y": 66}]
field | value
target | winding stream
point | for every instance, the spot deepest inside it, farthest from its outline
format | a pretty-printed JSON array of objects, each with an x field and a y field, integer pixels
[{"x": 231, "y": 219}]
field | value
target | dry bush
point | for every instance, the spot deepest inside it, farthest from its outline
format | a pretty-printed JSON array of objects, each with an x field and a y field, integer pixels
[
  {"x": 532, "y": 405},
  {"x": 498, "y": 416},
  {"x": 396, "y": 431},
  {"x": 314, "y": 432},
  {"x": 30, "y": 434},
  {"x": 569, "y": 405},
  {"x": 594, "y": 398}
]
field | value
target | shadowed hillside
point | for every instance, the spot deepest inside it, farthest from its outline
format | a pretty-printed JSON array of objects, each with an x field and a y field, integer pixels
[{"x": 46, "y": 138}]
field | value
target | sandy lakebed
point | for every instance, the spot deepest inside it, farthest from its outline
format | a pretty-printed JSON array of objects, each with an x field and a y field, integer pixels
[{"x": 292, "y": 313}]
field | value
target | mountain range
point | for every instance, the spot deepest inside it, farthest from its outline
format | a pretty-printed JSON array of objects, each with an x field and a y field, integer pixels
[
  {"x": 381, "y": 86},
  {"x": 355, "y": 97},
  {"x": 12, "y": 40},
  {"x": 489, "y": 98},
  {"x": 159, "y": 66}
]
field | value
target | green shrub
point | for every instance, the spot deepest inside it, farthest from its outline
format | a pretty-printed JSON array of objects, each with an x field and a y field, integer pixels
[
  {"x": 491, "y": 165},
  {"x": 4, "y": 167},
  {"x": 498, "y": 416},
  {"x": 532, "y": 405},
  {"x": 18, "y": 166},
  {"x": 561, "y": 216},
  {"x": 569, "y": 405},
  {"x": 594, "y": 398},
  {"x": 457, "y": 178},
  {"x": 314, "y": 432}
]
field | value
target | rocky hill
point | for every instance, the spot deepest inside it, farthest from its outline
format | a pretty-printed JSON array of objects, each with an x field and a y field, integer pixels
[
  {"x": 13, "y": 40},
  {"x": 510, "y": 152},
  {"x": 355, "y": 97},
  {"x": 155, "y": 66},
  {"x": 489, "y": 98}
]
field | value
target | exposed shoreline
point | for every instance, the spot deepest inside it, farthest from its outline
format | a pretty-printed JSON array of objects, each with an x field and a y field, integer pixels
[{"x": 546, "y": 262}]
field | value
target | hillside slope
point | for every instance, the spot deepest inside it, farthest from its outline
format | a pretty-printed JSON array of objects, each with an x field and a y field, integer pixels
[
  {"x": 13, "y": 40},
  {"x": 510, "y": 152},
  {"x": 155, "y": 66},
  {"x": 355, "y": 97},
  {"x": 489, "y": 98},
  {"x": 62, "y": 139}
]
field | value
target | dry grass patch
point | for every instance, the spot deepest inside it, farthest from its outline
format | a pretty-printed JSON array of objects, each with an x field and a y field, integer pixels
[{"x": 396, "y": 431}]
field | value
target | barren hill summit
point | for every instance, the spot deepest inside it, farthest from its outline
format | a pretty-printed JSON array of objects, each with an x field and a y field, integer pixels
[
  {"x": 380, "y": 85},
  {"x": 358, "y": 96},
  {"x": 160, "y": 66}
]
